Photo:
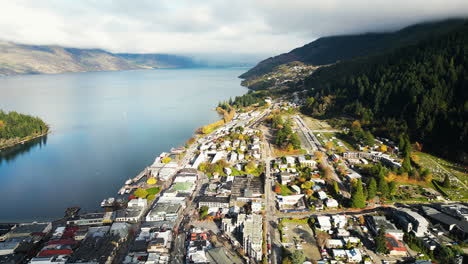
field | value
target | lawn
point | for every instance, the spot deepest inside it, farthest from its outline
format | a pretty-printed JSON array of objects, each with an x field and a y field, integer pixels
[{"x": 285, "y": 190}]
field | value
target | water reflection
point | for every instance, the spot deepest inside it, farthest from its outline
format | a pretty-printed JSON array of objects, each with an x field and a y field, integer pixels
[{"x": 10, "y": 154}]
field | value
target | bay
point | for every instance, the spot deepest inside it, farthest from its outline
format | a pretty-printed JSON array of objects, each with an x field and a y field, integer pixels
[{"x": 106, "y": 127}]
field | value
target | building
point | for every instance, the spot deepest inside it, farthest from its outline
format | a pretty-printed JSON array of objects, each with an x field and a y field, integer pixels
[
  {"x": 306, "y": 162},
  {"x": 412, "y": 221},
  {"x": 324, "y": 223},
  {"x": 24, "y": 230},
  {"x": 376, "y": 222},
  {"x": 458, "y": 228},
  {"x": 286, "y": 177},
  {"x": 290, "y": 161},
  {"x": 286, "y": 202},
  {"x": 135, "y": 210},
  {"x": 213, "y": 202},
  {"x": 331, "y": 203},
  {"x": 164, "y": 212},
  {"x": 252, "y": 236},
  {"x": 395, "y": 247},
  {"x": 87, "y": 219},
  {"x": 256, "y": 207}
]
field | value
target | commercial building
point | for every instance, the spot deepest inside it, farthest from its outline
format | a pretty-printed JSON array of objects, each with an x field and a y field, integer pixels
[
  {"x": 411, "y": 221},
  {"x": 252, "y": 236},
  {"x": 213, "y": 202},
  {"x": 164, "y": 212}
]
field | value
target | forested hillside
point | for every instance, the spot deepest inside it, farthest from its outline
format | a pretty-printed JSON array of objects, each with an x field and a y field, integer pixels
[
  {"x": 328, "y": 50},
  {"x": 420, "y": 89},
  {"x": 15, "y": 127}
]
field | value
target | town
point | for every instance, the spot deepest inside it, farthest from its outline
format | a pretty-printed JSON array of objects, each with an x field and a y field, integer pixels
[{"x": 269, "y": 186}]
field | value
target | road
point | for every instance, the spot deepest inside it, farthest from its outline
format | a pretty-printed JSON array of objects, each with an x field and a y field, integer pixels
[{"x": 312, "y": 141}]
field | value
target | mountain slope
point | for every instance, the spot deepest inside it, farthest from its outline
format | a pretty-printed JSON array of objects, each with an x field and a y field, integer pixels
[
  {"x": 329, "y": 50},
  {"x": 22, "y": 59},
  {"x": 418, "y": 89}
]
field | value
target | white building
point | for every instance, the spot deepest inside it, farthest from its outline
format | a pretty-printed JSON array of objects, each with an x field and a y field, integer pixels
[
  {"x": 324, "y": 223},
  {"x": 307, "y": 163}
]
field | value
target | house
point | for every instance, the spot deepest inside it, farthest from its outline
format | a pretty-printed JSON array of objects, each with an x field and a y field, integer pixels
[
  {"x": 331, "y": 203},
  {"x": 296, "y": 189},
  {"x": 307, "y": 162},
  {"x": 335, "y": 243},
  {"x": 343, "y": 233},
  {"x": 322, "y": 195},
  {"x": 324, "y": 223},
  {"x": 354, "y": 255},
  {"x": 395, "y": 246},
  {"x": 286, "y": 177},
  {"x": 318, "y": 204},
  {"x": 339, "y": 254},
  {"x": 339, "y": 221},
  {"x": 290, "y": 161}
]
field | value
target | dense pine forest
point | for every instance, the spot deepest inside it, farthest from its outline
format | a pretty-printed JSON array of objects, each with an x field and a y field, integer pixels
[
  {"x": 15, "y": 127},
  {"x": 421, "y": 90}
]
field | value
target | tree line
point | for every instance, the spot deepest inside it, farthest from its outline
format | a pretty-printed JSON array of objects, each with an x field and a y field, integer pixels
[
  {"x": 419, "y": 90},
  {"x": 16, "y": 125}
]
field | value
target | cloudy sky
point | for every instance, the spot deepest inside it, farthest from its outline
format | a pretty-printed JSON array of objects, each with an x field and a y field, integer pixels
[{"x": 260, "y": 27}]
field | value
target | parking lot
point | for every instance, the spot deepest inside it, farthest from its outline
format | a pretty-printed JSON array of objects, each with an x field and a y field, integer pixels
[{"x": 301, "y": 237}]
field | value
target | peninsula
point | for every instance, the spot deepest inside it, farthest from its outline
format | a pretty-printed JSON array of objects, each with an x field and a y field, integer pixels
[{"x": 16, "y": 128}]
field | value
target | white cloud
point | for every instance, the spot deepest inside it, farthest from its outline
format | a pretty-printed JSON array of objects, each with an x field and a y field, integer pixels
[{"x": 209, "y": 26}]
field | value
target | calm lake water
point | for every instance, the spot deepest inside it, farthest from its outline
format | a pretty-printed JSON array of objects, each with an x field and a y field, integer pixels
[{"x": 106, "y": 127}]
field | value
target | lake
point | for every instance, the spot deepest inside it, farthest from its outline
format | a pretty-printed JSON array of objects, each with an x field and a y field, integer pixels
[{"x": 106, "y": 127}]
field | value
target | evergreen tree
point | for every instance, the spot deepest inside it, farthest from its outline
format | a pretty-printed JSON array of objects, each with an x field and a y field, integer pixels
[
  {"x": 372, "y": 190},
  {"x": 446, "y": 182},
  {"x": 357, "y": 197},
  {"x": 380, "y": 242},
  {"x": 383, "y": 187}
]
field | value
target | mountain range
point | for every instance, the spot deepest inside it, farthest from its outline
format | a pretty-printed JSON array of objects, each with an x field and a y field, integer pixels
[
  {"x": 328, "y": 50},
  {"x": 34, "y": 59},
  {"x": 409, "y": 82}
]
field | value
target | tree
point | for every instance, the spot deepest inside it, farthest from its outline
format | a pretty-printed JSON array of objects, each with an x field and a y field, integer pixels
[
  {"x": 446, "y": 182},
  {"x": 406, "y": 165},
  {"x": 322, "y": 238},
  {"x": 357, "y": 197},
  {"x": 307, "y": 185},
  {"x": 140, "y": 193},
  {"x": 336, "y": 188},
  {"x": 166, "y": 160},
  {"x": 381, "y": 242},
  {"x": 203, "y": 212},
  {"x": 298, "y": 257},
  {"x": 392, "y": 188},
  {"x": 372, "y": 189},
  {"x": 250, "y": 167},
  {"x": 383, "y": 187},
  {"x": 287, "y": 260},
  {"x": 151, "y": 181},
  {"x": 277, "y": 189}
]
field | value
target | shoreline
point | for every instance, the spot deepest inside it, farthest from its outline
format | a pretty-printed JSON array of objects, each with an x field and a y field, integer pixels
[{"x": 23, "y": 140}]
